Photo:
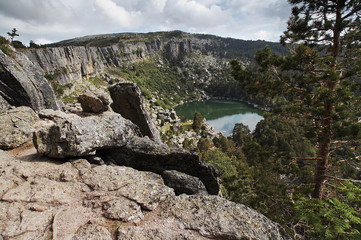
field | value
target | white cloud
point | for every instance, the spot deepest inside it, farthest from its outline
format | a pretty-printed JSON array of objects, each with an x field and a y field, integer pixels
[
  {"x": 63, "y": 19},
  {"x": 121, "y": 17},
  {"x": 193, "y": 15}
]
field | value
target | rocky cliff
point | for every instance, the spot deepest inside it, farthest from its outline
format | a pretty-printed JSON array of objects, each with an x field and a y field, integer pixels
[
  {"x": 98, "y": 174},
  {"x": 22, "y": 83},
  {"x": 198, "y": 64}
]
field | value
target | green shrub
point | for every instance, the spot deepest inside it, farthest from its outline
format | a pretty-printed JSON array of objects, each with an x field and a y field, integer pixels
[
  {"x": 146, "y": 93},
  {"x": 17, "y": 44},
  {"x": 4, "y": 46},
  {"x": 53, "y": 76}
]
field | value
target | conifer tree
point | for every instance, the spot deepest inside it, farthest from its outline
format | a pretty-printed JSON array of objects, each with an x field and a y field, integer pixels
[
  {"x": 197, "y": 121},
  {"x": 13, "y": 34},
  {"x": 320, "y": 77}
]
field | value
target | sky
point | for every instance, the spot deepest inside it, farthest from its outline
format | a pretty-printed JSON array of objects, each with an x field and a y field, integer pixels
[{"x": 46, "y": 21}]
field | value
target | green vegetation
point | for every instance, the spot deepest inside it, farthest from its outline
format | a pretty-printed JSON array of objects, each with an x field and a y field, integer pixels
[
  {"x": 18, "y": 45},
  {"x": 13, "y": 34},
  {"x": 164, "y": 82},
  {"x": 32, "y": 44},
  {"x": 105, "y": 42},
  {"x": 55, "y": 74},
  {"x": 138, "y": 52},
  {"x": 58, "y": 88},
  {"x": 313, "y": 139},
  {"x": 98, "y": 82},
  {"x": 4, "y": 46},
  {"x": 197, "y": 121},
  {"x": 337, "y": 217}
]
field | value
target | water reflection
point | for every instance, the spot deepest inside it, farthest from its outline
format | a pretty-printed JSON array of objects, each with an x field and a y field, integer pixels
[
  {"x": 226, "y": 124},
  {"x": 222, "y": 114}
]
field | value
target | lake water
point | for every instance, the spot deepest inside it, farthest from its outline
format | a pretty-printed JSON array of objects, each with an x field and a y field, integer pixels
[{"x": 222, "y": 115}]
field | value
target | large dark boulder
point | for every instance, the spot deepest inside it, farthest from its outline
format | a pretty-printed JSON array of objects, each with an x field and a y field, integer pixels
[
  {"x": 146, "y": 155},
  {"x": 69, "y": 135},
  {"x": 128, "y": 101},
  {"x": 94, "y": 102}
]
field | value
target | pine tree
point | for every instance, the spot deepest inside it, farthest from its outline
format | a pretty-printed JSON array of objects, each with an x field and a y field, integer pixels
[
  {"x": 320, "y": 77},
  {"x": 197, "y": 121},
  {"x": 13, "y": 34}
]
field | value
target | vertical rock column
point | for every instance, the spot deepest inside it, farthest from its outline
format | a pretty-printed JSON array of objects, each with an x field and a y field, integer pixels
[{"x": 128, "y": 101}]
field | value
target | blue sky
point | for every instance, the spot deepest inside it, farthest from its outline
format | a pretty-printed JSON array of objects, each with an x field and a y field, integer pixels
[{"x": 45, "y": 21}]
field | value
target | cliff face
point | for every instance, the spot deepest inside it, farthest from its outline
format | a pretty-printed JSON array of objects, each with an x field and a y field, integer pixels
[
  {"x": 76, "y": 62},
  {"x": 22, "y": 84},
  {"x": 32, "y": 71},
  {"x": 199, "y": 59}
]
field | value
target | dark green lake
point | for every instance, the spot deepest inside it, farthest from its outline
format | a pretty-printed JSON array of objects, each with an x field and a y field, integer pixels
[{"x": 222, "y": 115}]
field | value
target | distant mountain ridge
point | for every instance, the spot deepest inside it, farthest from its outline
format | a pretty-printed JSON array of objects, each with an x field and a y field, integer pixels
[
  {"x": 169, "y": 67},
  {"x": 210, "y": 42}
]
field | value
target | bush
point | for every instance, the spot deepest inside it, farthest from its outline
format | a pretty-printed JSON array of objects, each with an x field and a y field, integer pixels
[
  {"x": 4, "y": 46},
  {"x": 17, "y": 44},
  {"x": 146, "y": 93},
  {"x": 34, "y": 45}
]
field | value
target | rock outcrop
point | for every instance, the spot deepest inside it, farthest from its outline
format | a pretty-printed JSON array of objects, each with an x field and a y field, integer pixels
[
  {"x": 94, "y": 102},
  {"x": 23, "y": 84},
  {"x": 16, "y": 126},
  {"x": 128, "y": 101},
  {"x": 68, "y": 135},
  {"x": 44, "y": 199},
  {"x": 183, "y": 183},
  {"x": 146, "y": 155},
  {"x": 72, "y": 63}
]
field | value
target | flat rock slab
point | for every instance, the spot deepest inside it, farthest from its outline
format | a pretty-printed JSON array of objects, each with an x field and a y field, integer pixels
[
  {"x": 68, "y": 135},
  {"x": 47, "y": 199},
  {"x": 216, "y": 217}
]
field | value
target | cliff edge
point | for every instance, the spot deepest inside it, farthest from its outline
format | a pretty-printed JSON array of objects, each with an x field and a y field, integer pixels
[{"x": 43, "y": 198}]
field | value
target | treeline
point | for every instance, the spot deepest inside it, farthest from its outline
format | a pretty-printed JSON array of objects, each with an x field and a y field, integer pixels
[{"x": 272, "y": 169}]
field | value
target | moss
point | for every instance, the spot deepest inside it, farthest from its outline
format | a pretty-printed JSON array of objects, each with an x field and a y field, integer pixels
[
  {"x": 146, "y": 93},
  {"x": 52, "y": 76},
  {"x": 49, "y": 103},
  {"x": 98, "y": 82},
  {"x": 17, "y": 68},
  {"x": 58, "y": 88},
  {"x": 106, "y": 42},
  {"x": 70, "y": 99},
  {"x": 123, "y": 54}
]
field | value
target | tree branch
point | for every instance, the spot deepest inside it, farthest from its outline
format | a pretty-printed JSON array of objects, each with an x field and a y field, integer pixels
[{"x": 343, "y": 179}]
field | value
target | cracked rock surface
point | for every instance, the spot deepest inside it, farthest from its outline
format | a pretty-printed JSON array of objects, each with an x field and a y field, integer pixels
[{"x": 41, "y": 198}]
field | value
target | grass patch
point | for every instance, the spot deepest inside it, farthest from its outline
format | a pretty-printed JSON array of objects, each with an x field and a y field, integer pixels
[
  {"x": 6, "y": 49},
  {"x": 56, "y": 73},
  {"x": 58, "y": 88},
  {"x": 165, "y": 82},
  {"x": 98, "y": 82},
  {"x": 4, "y": 46}
]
